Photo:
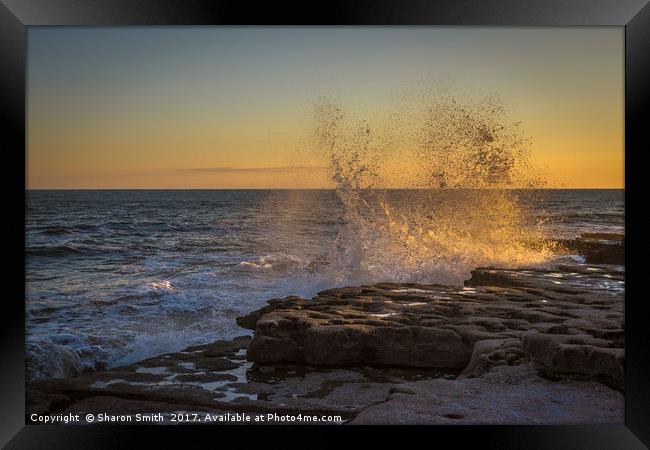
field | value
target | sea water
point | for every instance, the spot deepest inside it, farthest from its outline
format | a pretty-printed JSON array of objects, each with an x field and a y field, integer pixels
[{"x": 114, "y": 276}]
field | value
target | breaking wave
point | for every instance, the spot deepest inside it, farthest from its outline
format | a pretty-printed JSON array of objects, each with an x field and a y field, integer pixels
[{"x": 464, "y": 158}]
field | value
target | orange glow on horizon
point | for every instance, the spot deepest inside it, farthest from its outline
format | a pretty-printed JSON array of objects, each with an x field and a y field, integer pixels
[{"x": 113, "y": 114}]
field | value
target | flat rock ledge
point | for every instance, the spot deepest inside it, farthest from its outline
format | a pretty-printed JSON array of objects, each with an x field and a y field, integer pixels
[
  {"x": 510, "y": 347},
  {"x": 567, "y": 322}
]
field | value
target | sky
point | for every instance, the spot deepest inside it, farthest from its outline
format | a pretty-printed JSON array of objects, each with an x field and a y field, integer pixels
[{"x": 232, "y": 107}]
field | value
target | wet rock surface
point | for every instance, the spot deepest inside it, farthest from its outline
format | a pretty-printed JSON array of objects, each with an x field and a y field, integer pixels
[
  {"x": 568, "y": 321},
  {"x": 197, "y": 380},
  {"x": 510, "y": 346}
]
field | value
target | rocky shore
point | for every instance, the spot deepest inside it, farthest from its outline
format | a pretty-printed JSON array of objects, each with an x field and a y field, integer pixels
[{"x": 510, "y": 346}]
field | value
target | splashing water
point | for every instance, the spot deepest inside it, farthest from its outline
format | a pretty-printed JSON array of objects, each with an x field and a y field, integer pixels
[{"x": 462, "y": 158}]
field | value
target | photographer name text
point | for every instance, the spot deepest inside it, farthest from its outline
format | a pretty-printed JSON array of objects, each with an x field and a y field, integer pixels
[{"x": 181, "y": 417}]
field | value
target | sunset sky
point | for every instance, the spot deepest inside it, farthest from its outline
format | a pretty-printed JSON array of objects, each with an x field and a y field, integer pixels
[{"x": 231, "y": 107}]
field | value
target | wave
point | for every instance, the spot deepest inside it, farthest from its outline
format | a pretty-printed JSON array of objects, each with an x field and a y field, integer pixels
[
  {"x": 614, "y": 237},
  {"x": 277, "y": 262},
  {"x": 463, "y": 154},
  {"x": 55, "y": 230},
  {"x": 71, "y": 250},
  {"x": 101, "y": 333},
  {"x": 56, "y": 250},
  {"x": 64, "y": 355},
  {"x": 571, "y": 217}
]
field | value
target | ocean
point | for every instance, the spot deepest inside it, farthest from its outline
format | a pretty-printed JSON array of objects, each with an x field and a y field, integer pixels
[{"x": 115, "y": 276}]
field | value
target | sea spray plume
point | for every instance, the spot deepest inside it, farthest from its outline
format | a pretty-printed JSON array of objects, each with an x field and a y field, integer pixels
[
  {"x": 353, "y": 155},
  {"x": 473, "y": 144},
  {"x": 350, "y": 148},
  {"x": 465, "y": 154}
]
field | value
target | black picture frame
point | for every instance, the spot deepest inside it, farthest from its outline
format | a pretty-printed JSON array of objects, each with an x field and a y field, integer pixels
[{"x": 17, "y": 15}]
